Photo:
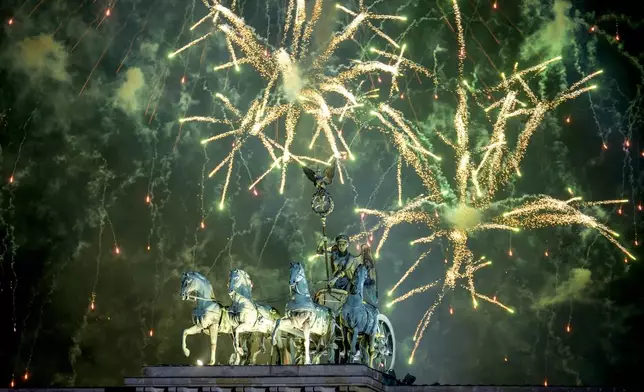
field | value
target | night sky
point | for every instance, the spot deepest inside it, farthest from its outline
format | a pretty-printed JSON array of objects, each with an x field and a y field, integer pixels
[{"x": 106, "y": 197}]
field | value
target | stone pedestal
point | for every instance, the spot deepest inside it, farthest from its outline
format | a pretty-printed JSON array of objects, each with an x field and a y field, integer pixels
[{"x": 313, "y": 378}]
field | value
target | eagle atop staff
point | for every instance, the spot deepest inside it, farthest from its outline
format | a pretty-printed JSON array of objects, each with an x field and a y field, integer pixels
[{"x": 320, "y": 178}]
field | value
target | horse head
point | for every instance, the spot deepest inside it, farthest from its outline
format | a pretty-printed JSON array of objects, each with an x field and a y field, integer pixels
[
  {"x": 195, "y": 283},
  {"x": 297, "y": 273},
  {"x": 239, "y": 282},
  {"x": 360, "y": 277}
]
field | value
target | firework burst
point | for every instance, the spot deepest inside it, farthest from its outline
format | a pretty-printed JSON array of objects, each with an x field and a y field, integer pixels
[
  {"x": 455, "y": 214},
  {"x": 297, "y": 82}
]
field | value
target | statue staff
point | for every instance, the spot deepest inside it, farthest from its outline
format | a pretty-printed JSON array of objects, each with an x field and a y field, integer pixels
[{"x": 322, "y": 202}]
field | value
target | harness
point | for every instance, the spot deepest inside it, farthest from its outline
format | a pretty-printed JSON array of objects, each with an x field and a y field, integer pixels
[
  {"x": 255, "y": 307},
  {"x": 196, "y": 298},
  {"x": 221, "y": 311}
]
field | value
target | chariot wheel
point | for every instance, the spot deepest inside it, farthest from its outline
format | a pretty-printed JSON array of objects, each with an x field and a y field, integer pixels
[{"x": 385, "y": 355}]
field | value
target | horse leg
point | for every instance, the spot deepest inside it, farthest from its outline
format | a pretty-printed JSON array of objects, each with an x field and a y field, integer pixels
[
  {"x": 276, "y": 349},
  {"x": 284, "y": 324},
  {"x": 248, "y": 349},
  {"x": 306, "y": 329},
  {"x": 372, "y": 349},
  {"x": 284, "y": 349},
  {"x": 242, "y": 328},
  {"x": 260, "y": 350},
  {"x": 330, "y": 342},
  {"x": 279, "y": 360},
  {"x": 276, "y": 332},
  {"x": 343, "y": 351},
  {"x": 236, "y": 347},
  {"x": 187, "y": 332},
  {"x": 246, "y": 343},
  {"x": 354, "y": 342},
  {"x": 347, "y": 345},
  {"x": 243, "y": 348},
  {"x": 277, "y": 343},
  {"x": 231, "y": 359},
  {"x": 262, "y": 345},
  {"x": 214, "y": 334}
]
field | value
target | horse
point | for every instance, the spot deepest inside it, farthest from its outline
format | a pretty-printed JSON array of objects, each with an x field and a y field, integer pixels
[
  {"x": 248, "y": 316},
  {"x": 358, "y": 317},
  {"x": 209, "y": 316},
  {"x": 304, "y": 317}
]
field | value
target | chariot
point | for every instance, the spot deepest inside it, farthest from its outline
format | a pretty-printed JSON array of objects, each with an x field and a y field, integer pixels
[{"x": 385, "y": 341}]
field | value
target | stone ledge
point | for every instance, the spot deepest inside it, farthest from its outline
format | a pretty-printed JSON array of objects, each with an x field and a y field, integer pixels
[
  {"x": 261, "y": 371},
  {"x": 353, "y": 388},
  {"x": 313, "y": 378}
]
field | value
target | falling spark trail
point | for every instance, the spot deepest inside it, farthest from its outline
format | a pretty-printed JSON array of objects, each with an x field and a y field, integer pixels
[
  {"x": 68, "y": 18},
  {"x": 36, "y": 7},
  {"x": 22, "y": 142},
  {"x": 92, "y": 71},
  {"x": 154, "y": 91},
  {"x": 156, "y": 104},
  {"x": 102, "y": 54},
  {"x": 143, "y": 25},
  {"x": 270, "y": 233},
  {"x": 89, "y": 26}
]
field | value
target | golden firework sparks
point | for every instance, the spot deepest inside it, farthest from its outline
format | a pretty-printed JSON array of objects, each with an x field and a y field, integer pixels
[
  {"x": 293, "y": 88},
  {"x": 476, "y": 184}
]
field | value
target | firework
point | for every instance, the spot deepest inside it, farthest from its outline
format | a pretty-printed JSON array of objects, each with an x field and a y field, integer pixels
[
  {"x": 288, "y": 93},
  {"x": 465, "y": 209}
]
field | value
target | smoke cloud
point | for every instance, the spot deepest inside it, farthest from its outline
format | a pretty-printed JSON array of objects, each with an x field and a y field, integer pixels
[
  {"x": 573, "y": 288},
  {"x": 41, "y": 57},
  {"x": 292, "y": 82},
  {"x": 552, "y": 37},
  {"x": 128, "y": 94},
  {"x": 463, "y": 217}
]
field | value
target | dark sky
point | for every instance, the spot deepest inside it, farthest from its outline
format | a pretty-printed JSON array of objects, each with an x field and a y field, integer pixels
[{"x": 105, "y": 191}]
